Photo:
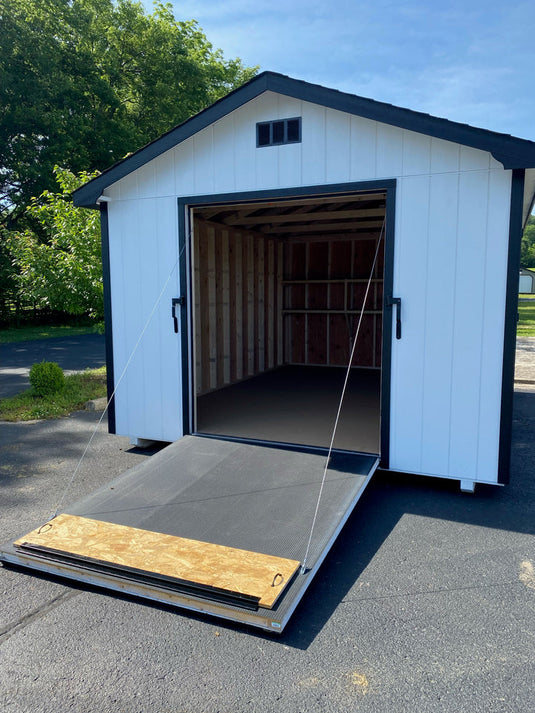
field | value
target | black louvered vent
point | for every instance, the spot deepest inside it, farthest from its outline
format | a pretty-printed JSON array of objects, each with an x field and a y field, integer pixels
[{"x": 278, "y": 132}]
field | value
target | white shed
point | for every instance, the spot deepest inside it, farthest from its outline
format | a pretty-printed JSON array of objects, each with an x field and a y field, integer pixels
[
  {"x": 526, "y": 281},
  {"x": 241, "y": 251}
]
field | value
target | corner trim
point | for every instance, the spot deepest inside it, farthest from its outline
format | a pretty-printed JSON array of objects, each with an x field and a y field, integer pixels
[
  {"x": 511, "y": 314},
  {"x": 106, "y": 282}
]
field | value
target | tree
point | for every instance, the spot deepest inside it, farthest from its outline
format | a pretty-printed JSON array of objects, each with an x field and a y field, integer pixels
[
  {"x": 61, "y": 267},
  {"x": 83, "y": 82},
  {"x": 527, "y": 250}
]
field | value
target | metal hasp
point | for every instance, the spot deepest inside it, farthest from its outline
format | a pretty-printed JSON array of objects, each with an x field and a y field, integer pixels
[
  {"x": 181, "y": 301},
  {"x": 396, "y": 301}
]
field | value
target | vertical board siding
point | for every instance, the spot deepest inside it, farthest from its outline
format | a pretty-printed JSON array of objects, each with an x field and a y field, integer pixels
[
  {"x": 439, "y": 319},
  {"x": 408, "y": 353},
  {"x": 496, "y": 255},
  {"x": 452, "y": 205},
  {"x": 235, "y": 330},
  {"x": 148, "y": 395},
  {"x": 451, "y": 252}
]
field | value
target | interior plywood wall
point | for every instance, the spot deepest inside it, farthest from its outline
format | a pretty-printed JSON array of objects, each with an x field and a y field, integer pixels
[
  {"x": 324, "y": 288},
  {"x": 238, "y": 300}
]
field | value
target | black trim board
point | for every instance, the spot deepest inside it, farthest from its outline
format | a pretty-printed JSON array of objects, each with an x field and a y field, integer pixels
[
  {"x": 106, "y": 280},
  {"x": 386, "y": 361},
  {"x": 512, "y": 152},
  {"x": 511, "y": 315},
  {"x": 280, "y": 194},
  {"x": 186, "y": 349}
]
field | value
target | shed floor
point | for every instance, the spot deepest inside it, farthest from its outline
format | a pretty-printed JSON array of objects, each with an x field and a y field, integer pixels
[
  {"x": 239, "y": 495},
  {"x": 298, "y": 404}
]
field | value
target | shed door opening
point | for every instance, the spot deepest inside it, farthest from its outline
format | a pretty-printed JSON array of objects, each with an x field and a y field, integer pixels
[{"x": 277, "y": 292}]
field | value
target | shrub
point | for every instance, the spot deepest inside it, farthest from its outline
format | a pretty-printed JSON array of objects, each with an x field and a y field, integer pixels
[{"x": 46, "y": 378}]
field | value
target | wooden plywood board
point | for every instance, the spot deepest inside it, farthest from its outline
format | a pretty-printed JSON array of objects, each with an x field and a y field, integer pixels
[{"x": 236, "y": 571}]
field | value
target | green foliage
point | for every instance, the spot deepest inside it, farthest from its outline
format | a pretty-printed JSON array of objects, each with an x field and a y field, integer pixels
[
  {"x": 60, "y": 266},
  {"x": 527, "y": 251},
  {"x": 83, "y": 82},
  {"x": 78, "y": 389},
  {"x": 526, "y": 321},
  {"x": 46, "y": 378}
]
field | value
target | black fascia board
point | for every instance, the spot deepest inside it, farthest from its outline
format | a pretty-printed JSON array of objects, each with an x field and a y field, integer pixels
[{"x": 510, "y": 151}]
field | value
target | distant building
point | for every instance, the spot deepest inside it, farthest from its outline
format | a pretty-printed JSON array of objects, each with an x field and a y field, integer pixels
[{"x": 526, "y": 281}]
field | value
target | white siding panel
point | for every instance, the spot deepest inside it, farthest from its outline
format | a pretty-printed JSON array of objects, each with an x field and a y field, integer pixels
[
  {"x": 363, "y": 148},
  {"x": 245, "y": 147},
  {"x": 474, "y": 159},
  {"x": 314, "y": 151},
  {"x": 338, "y": 152},
  {"x": 146, "y": 181},
  {"x": 495, "y": 272},
  {"x": 416, "y": 154},
  {"x": 184, "y": 159},
  {"x": 445, "y": 156},
  {"x": 440, "y": 290},
  {"x": 224, "y": 154},
  {"x": 128, "y": 186},
  {"x": 389, "y": 151},
  {"x": 409, "y": 284},
  {"x": 290, "y": 165},
  {"x": 164, "y": 175},
  {"x": 288, "y": 107},
  {"x": 203, "y": 169},
  {"x": 468, "y": 315}
]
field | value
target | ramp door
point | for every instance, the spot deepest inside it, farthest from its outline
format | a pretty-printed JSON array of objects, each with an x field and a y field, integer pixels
[{"x": 210, "y": 525}]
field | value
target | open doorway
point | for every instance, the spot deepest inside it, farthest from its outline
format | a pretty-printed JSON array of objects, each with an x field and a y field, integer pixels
[{"x": 278, "y": 287}]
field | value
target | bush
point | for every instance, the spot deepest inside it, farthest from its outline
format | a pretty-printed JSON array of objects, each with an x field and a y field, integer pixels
[{"x": 46, "y": 378}]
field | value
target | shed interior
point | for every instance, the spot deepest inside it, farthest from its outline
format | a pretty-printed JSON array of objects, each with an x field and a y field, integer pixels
[{"x": 278, "y": 288}]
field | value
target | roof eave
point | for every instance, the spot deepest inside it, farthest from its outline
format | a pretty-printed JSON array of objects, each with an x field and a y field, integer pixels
[{"x": 511, "y": 152}]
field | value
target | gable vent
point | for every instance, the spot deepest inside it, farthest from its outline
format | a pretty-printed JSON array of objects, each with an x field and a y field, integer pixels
[{"x": 278, "y": 132}]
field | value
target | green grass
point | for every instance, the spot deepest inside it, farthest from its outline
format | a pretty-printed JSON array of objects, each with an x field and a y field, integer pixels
[
  {"x": 79, "y": 388},
  {"x": 24, "y": 334},
  {"x": 526, "y": 322}
]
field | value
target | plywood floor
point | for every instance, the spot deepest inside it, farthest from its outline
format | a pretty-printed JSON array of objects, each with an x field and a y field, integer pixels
[{"x": 297, "y": 404}]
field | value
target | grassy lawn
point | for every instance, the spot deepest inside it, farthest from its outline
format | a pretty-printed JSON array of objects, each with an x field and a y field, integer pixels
[
  {"x": 24, "y": 334},
  {"x": 79, "y": 388},
  {"x": 526, "y": 311}
]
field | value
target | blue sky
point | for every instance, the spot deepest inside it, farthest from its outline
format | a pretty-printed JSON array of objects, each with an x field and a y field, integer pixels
[{"x": 469, "y": 61}]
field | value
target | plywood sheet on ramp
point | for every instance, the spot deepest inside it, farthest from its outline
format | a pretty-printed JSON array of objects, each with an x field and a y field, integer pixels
[{"x": 259, "y": 576}]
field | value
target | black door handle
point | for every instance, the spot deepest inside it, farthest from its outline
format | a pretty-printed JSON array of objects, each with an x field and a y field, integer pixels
[
  {"x": 396, "y": 301},
  {"x": 175, "y": 302}
]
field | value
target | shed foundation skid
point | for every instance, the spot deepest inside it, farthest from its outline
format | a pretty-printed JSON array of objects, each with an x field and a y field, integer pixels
[{"x": 253, "y": 499}]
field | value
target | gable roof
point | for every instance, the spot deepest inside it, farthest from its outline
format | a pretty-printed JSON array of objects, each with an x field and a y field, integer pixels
[{"x": 508, "y": 150}]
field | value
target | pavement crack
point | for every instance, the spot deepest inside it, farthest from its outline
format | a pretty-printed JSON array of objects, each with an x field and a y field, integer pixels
[{"x": 8, "y": 631}]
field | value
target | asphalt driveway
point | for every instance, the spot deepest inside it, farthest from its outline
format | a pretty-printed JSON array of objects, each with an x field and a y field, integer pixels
[
  {"x": 86, "y": 351},
  {"x": 425, "y": 603}
]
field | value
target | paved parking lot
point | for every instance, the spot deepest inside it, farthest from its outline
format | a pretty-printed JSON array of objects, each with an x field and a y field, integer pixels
[{"x": 426, "y": 603}]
